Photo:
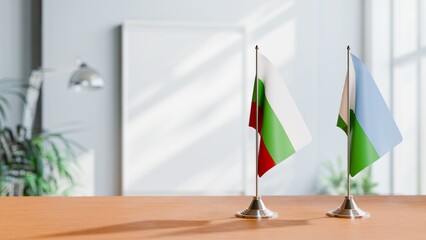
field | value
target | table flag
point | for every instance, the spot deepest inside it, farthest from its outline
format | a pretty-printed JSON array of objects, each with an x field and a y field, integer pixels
[
  {"x": 373, "y": 130},
  {"x": 281, "y": 126}
]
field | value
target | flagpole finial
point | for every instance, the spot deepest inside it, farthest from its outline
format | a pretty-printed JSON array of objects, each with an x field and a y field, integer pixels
[
  {"x": 257, "y": 47},
  {"x": 349, "y": 48}
]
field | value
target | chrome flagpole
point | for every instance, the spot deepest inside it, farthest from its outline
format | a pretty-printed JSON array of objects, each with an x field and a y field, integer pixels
[
  {"x": 257, "y": 208},
  {"x": 257, "y": 123},
  {"x": 348, "y": 209}
]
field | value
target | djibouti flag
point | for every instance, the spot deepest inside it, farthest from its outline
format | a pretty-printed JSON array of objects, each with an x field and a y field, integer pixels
[
  {"x": 373, "y": 132},
  {"x": 280, "y": 124}
]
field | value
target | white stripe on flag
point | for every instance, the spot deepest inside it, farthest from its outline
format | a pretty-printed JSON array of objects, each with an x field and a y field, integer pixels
[
  {"x": 283, "y": 104},
  {"x": 344, "y": 101}
]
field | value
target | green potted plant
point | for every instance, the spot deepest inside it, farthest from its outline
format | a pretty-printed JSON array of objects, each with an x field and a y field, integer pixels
[
  {"x": 333, "y": 181},
  {"x": 37, "y": 165}
]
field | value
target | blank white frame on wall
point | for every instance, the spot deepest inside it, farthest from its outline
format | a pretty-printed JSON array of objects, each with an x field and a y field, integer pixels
[{"x": 184, "y": 113}]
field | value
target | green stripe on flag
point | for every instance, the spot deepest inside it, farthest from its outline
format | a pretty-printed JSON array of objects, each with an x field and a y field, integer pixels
[
  {"x": 363, "y": 152},
  {"x": 341, "y": 124},
  {"x": 261, "y": 92},
  {"x": 273, "y": 134}
]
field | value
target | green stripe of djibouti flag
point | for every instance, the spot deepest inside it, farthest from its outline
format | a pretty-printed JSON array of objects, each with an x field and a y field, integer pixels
[{"x": 362, "y": 150}]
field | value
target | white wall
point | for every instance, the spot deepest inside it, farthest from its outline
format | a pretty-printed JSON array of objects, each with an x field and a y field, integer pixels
[
  {"x": 394, "y": 49},
  {"x": 15, "y": 47},
  {"x": 306, "y": 40},
  {"x": 378, "y": 53},
  {"x": 340, "y": 24}
]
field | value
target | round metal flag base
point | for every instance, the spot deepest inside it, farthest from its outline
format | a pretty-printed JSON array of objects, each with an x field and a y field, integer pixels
[
  {"x": 348, "y": 209},
  {"x": 257, "y": 209}
]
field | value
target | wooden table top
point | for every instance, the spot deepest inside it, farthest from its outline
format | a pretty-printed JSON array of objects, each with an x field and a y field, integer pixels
[{"x": 300, "y": 217}]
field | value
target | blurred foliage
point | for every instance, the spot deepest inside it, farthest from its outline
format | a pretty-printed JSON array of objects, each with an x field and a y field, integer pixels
[
  {"x": 10, "y": 88},
  {"x": 335, "y": 177},
  {"x": 37, "y": 165}
]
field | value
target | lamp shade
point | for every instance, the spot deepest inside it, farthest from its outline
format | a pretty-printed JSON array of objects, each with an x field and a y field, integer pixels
[{"x": 87, "y": 78}]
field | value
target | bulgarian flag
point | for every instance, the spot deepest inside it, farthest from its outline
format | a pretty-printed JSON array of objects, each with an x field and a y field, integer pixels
[
  {"x": 280, "y": 123},
  {"x": 373, "y": 131}
]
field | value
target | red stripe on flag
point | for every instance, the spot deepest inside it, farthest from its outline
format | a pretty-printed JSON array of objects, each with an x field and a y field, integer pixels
[
  {"x": 252, "y": 120},
  {"x": 265, "y": 160}
]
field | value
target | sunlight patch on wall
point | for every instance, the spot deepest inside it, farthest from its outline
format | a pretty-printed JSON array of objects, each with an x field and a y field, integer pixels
[
  {"x": 283, "y": 36},
  {"x": 405, "y": 31},
  {"x": 85, "y": 171},
  {"x": 406, "y": 116},
  {"x": 214, "y": 45},
  {"x": 266, "y": 12}
]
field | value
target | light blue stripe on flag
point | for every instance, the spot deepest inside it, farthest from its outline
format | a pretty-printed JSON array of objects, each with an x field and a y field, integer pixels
[{"x": 372, "y": 112}]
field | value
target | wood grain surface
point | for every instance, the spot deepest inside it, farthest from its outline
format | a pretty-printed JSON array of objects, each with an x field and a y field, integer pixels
[{"x": 300, "y": 217}]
